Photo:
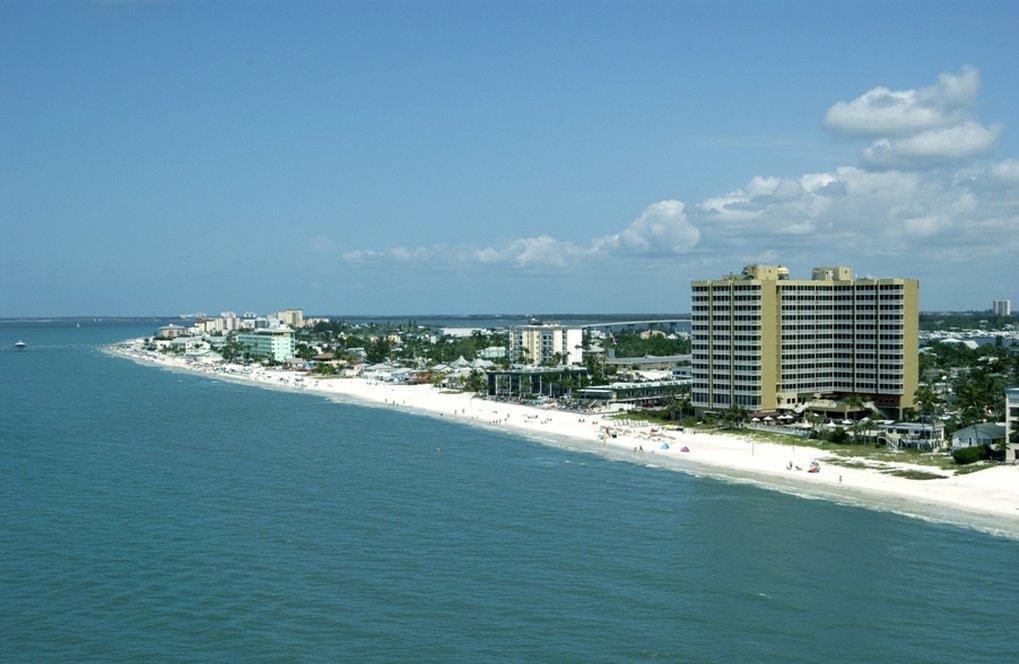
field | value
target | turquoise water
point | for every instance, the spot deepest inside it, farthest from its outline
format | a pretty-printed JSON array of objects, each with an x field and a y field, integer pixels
[{"x": 156, "y": 515}]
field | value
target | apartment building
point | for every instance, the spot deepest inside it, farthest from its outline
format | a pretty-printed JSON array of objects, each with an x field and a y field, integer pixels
[
  {"x": 1002, "y": 308},
  {"x": 767, "y": 342},
  {"x": 290, "y": 317},
  {"x": 1011, "y": 424},
  {"x": 538, "y": 344},
  {"x": 276, "y": 342}
]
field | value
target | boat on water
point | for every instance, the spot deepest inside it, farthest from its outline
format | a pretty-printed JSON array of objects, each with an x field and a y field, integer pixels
[{"x": 21, "y": 345}]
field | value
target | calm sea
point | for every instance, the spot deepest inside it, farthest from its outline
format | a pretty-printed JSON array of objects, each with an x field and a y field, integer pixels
[{"x": 151, "y": 515}]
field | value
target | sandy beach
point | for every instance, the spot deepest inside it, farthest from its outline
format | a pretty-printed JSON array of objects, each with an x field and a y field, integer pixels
[{"x": 987, "y": 500}]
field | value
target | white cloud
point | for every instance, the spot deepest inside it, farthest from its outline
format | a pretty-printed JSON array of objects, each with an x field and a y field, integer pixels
[
  {"x": 905, "y": 201},
  {"x": 850, "y": 209},
  {"x": 1006, "y": 172},
  {"x": 934, "y": 147},
  {"x": 662, "y": 229},
  {"x": 917, "y": 129},
  {"x": 884, "y": 112}
]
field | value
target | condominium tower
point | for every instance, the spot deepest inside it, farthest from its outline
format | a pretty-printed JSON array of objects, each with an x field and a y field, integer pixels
[
  {"x": 539, "y": 344},
  {"x": 1002, "y": 308},
  {"x": 767, "y": 342}
]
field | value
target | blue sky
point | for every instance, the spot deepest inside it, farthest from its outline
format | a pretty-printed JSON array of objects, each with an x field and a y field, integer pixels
[{"x": 160, "y": 157}]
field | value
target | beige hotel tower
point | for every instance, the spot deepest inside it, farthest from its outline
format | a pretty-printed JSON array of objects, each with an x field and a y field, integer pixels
[{"x": 767, "y": 342}]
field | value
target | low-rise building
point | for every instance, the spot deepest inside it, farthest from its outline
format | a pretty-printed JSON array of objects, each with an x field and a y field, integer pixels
[
  {"x": 918, "y": 435},
  {"x": 492, "y": 353},
  {"x": 534, "y": 381},
  {"x": 461, "y": 332},
  {"x": 188, "y": 344},
  {"x": 170, "y": 332},
  {"x": 988, "y": 433},
  {"x": 651, "y": 393},
  {"x": 649, "y": 362},
  {"x": 276, "y": 343}
]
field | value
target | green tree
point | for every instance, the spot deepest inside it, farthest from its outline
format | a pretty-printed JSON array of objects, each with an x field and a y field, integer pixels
[
  {"x": 853, "y": 403},
  {"x": 595, "y": 370},
  {"x": 475, "y": 381},
  {"x": 839, "y": 436},
  {"x": 734, "y": 416},
  {"x": 378, "y": 350},
  {"x": 679, "y": 408}
]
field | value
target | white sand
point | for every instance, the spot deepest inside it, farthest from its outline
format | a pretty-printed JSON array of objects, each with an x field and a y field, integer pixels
[{"x": 987, "y": 499}]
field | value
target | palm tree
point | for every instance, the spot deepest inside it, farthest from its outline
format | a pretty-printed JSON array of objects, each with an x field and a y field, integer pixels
[
  {"x": 853, "y": 402},
  {"x": 678, "y": 408},
  {"x": 814, "y": 418},
  {"x": 734, "y": 416},
  {"x": 929, "y": 404}
]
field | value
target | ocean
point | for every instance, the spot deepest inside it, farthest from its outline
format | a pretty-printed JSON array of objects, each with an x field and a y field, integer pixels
[{"x": 154, "y": 515}]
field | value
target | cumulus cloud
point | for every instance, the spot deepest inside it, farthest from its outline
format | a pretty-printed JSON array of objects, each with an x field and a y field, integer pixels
[
  {"x": 880, "y": 211},
  {"x": 917, "y": 129},
  {"x": 662, "y": 229},
  {"x": 905, "y": 190},
  {"x": 1006, "y": 172},
  {"x": 884, "y": 112},
  {"x": 934, "y": 147}
]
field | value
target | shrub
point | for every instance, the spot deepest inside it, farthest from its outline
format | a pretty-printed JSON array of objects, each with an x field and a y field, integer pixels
[
  {"x": 965, "y": 455},
  {"x": 839, "y": 436}
]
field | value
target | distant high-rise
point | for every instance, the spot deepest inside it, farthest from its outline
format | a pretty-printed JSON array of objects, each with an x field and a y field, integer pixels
[
  {"x": 1002, "y": 308},
  {"x": 767, "y": 342},
  {"x": 291, "y": 317}
]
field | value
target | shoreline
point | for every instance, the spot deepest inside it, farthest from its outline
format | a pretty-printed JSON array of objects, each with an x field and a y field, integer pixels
[{"x": 987, "y": 500}]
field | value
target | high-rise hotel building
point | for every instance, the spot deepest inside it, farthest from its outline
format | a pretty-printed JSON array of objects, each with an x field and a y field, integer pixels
[{"x": 767, "y": 342}]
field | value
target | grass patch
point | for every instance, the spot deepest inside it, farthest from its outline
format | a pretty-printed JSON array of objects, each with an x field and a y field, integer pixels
[
  {"x": 914, "y": 474},
  {"x": 642, "y": 416},
  {"x": 974, "y": 467},
  {"x": 853, "y": 464},
  {"x": 868, "y": 451}
]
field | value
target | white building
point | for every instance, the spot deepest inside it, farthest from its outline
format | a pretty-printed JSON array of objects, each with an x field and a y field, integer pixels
[
  {"x": 1002, "y": 308},
  {"x": 461, "y": 332},
  {"x": 290, "y": 317},
  {"x": 277, "y": 343},
  {"x": 1011, "y": 424},
  {"x": 538, "y": 344}
]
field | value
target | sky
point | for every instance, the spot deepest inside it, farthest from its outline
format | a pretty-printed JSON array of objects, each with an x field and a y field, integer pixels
[{"x": 444, "y": 157}]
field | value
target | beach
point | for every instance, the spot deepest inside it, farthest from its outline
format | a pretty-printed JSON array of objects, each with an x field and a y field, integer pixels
[{"x": 987, "y": 500}]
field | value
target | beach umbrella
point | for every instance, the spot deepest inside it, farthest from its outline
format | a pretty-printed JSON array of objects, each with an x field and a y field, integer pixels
[
  {"x": 665, "y": 446},
  {"x": 685, "y": 449},
  {"x": 755, "y": 419},
  {"x": 768, "y": 418}
]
